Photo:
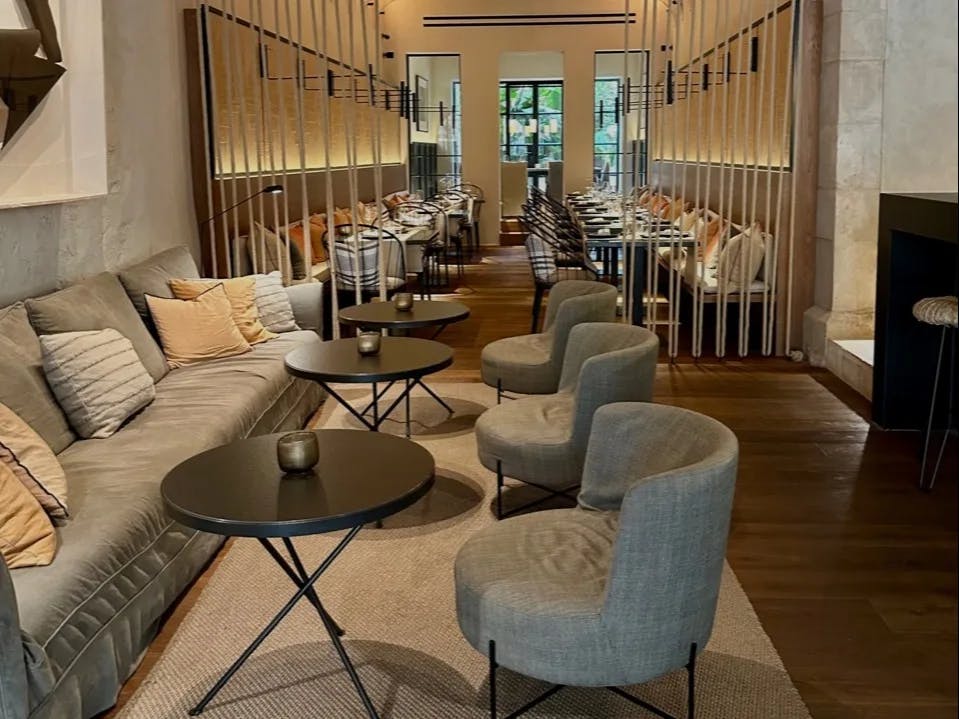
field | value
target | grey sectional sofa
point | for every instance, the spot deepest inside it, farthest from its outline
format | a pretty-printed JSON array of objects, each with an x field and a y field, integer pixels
[{"x": 72, "y": 632}]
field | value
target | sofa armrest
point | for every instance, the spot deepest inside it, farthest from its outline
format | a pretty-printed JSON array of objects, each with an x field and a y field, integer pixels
[
  {"x": 13, "y": 672},
  {"x": 307, "y": 302}
]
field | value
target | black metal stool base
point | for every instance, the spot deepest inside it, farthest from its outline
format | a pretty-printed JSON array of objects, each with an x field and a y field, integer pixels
[
  {"x": 304, "y": 583},
  {"x": 690, "y": 693}
]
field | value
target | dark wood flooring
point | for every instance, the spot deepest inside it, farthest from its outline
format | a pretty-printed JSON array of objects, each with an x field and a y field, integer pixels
[{"x": 852, "y": 570}]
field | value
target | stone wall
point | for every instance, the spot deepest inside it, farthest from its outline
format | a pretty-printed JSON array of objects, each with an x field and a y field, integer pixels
[
  {"x": 148, "y": 206},
  {"x": 888, "y": 109}
]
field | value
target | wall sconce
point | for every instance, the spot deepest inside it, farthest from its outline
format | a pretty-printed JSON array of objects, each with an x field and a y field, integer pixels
[{"x": 670, "y": 88}]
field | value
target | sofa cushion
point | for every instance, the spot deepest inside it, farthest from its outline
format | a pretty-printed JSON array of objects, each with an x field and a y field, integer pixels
[
  {"x": 24, "y": 388},
  {"x": 152, "y": 277},
  {"x": 27, "y": 538},
  {"x": 98, "y": 378},
  {"x": 96, "y": 304},
  {"x": 24, "y": 452},
  {"x": 119, "y": 537},
  {"x": 197, "y": 330}
]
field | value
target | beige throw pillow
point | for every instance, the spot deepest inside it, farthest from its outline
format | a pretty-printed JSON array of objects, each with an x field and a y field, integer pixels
[
  {"x": 27, "y": 537},
  {"x": 741, "y": 259},
  {"x": 273, "y": 303},
  {"x": 24, "y": 453},
  {"x": 97, "y": 378},
  {"x": 197, "y": 330},
  {"x": 241, "y": 291}
]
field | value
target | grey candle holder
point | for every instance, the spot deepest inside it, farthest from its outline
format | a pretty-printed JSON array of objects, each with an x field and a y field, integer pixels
[
  {"x": 297, "y": 452},
  {"x": 403, "y": 301},
  {"x": 368, "y": 343}
]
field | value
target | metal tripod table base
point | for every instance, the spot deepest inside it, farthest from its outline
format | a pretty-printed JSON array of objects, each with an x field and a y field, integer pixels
[{"x": 305, "y": 588}]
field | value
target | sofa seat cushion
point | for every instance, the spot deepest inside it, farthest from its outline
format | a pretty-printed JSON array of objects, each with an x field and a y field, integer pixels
[
  {"x": 522, "y": 364},
  {"x": 119, "y": 537},
  {"x": 536, "y": 585},
  {"x": 533, "y": 439}
]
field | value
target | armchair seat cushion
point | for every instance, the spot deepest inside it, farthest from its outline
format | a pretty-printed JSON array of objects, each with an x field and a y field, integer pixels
[
  {"x": 536, "y": 585},
  {"x": 522, "y": 364},
  {"x": 532, "y": 438}
]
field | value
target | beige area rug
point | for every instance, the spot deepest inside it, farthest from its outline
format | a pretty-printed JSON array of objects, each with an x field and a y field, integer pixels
[{"x": 392, "y": 590}]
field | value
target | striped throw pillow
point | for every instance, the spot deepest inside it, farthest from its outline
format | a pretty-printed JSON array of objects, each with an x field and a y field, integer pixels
[{"x": 98, "y": 379}]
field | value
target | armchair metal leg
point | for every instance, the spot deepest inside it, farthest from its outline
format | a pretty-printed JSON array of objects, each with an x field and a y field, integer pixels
[
  {"x": 499, "y": 391},
  {"x": 499, "y": 489},
  {"x": 492, "y": 679},
  {"x": 691, "y": 683},
  {"x": 651, "y": 708}
]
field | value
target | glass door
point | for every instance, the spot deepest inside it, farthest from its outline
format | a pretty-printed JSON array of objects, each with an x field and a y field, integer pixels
[{"x": 531, "y": 124}]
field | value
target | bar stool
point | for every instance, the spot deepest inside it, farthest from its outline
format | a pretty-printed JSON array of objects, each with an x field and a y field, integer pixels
[{"x": 940, "y": 312}]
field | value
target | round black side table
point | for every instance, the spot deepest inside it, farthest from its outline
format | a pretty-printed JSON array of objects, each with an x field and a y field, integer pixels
[
  {"x": 406, "y": 359},
  {"x": 425, "y": 313},
  {"x": 239, "y": 490}
]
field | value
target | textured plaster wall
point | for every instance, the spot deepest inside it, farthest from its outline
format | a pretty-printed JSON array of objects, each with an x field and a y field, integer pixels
[
  {"x": 919, "y": 109},
  {"x": 888, "y": 123},
  {"x": 149, "y": 202}
]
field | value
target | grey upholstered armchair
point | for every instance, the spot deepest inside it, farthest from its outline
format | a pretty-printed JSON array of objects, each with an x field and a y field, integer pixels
[
  {"x": 542, "y": 440},
  {"x": 531, "y": 364},
  {"x": 620, "y": 594}
]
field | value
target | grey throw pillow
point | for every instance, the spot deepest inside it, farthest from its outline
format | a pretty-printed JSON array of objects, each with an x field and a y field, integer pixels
[
  {"x": 273, "y": 304},
  {"x": 23, "y": 387},
  {"x": 96, "y": 304},
  {"x": 98, "y": 379}
]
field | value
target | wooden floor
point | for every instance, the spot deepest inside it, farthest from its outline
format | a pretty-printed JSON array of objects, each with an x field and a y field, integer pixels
[{"x": 851, "y": 569}]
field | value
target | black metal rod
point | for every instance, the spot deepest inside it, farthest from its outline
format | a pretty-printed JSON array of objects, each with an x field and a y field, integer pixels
[
  {"x": 538, "y": 700},
  {"x": 287, "y": 608},
  {"x": 492, "y": 679},
  {"x": 348, "y": 406},
  {"x": 311, "y": 594},
  {"x": 297, "y": 577},
  {"x": 431, "y": 393}
]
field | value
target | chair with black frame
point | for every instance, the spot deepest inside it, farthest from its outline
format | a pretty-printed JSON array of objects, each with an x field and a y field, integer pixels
[
  {"x": 541, "y": 441},
  {"x": 418, "y": 215},
  {"x": 458, "y": 209},
  {"x": 479, "y": 199},
  {"x": 357, "y": 263},
  {"x": 622, "y": 589}
]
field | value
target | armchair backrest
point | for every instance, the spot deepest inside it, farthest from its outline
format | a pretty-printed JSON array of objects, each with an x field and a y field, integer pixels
[
  {"x": 607, "y": 362},
  {"x": 676, "y": 473},
  {"x": 573, "y": 302}
]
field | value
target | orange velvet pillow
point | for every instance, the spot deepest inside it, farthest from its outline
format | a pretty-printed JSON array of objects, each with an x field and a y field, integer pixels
[
  {"x": 299, "y": 237},
  {"x": 714, "y": 231}
]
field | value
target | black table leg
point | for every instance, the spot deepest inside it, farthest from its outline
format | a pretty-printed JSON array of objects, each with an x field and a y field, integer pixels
[
  {"x": 297, "y": 576},
  {"x": 637, "y": 254},
  {"x": 365, "y": 422},
  {"x": 408, "y": 409},
  {"x": 305, "y": 587},
  {"x": 419, "y": 381},
  {"x": 377, "y": 397}
]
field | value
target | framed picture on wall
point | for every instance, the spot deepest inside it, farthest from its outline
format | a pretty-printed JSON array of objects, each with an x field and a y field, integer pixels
[{"x": 422, "y": 103}]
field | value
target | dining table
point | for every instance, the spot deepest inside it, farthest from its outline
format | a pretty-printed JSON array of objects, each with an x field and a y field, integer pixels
[{"x": 602, "y": 220}]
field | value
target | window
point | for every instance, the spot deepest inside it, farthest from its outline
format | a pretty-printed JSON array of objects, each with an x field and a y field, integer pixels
[
  {"x": 607, "y": 138},
  {"x": 531, "y": 122}
]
